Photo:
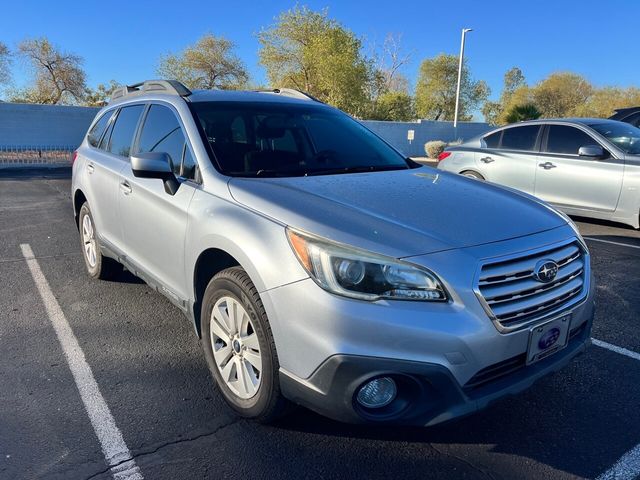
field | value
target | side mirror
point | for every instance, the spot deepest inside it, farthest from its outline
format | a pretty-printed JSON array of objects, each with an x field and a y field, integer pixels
[
  {"x": 592, "y": 151},
  {"x": 155, "y": 165}
]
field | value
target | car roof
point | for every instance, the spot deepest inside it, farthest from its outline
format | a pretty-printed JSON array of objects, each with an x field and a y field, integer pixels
[
  {"x": 247, "y": 96},
  {"x": 584, "y": 121},
  {"x": 624, "y": 112}
]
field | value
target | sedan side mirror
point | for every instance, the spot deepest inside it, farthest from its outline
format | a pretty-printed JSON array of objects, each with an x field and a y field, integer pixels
[
  {"x": 155, "y": 165},
  {"x": 592, "y": 151}
]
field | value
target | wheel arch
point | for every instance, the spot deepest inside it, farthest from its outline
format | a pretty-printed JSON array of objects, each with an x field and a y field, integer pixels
[
  {"x": 472, "y": 170},
  {"x": 210, "y": 262},
  {"x": 79, "y": 198}
]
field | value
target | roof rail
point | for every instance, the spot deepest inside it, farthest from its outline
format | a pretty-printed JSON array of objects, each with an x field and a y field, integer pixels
[
  {"x": 172, "y": 87},
  {"x": 291, "y": 92}
]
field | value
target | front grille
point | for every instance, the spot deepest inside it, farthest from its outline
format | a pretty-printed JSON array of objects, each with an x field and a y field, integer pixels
[{"x": 517, "y": 299}]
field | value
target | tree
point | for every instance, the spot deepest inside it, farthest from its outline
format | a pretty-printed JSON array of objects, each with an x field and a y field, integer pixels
[
  {"x": 513, "y": 92},
  {"x": 101, "y": 95},
  {"x": 436, "y": 89},
  {"x": 561, "y": 94},
  {"x": 393, "y": 105},
  {"x": 58, "y": 75},
  {"x": 309, "y": 51},
  {"x": 513, "y": 80},
  {"x": 605, "y": 100},
  {"x": 520, "y": 113},
  {"x": 388, "y": 88},
  {"x": 209, "y": 63},
  {"x": 5, "y": 59}
]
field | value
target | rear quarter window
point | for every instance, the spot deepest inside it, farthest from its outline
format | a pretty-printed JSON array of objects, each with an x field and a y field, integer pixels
[
  {"x": 98, "y": 129},
  {"x": 493, "y": 140}
]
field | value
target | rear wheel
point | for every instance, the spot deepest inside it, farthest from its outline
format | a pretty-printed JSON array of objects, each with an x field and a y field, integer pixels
[
  {"x": 98, "y": 266},
  {"x": 239, "y": 347},
  {"x": 470, "y": 174}
]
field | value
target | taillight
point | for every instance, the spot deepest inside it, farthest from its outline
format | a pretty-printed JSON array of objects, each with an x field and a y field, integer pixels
[
  {"x": 73, "y": 158},
  {"x": 443, "y": 155}
]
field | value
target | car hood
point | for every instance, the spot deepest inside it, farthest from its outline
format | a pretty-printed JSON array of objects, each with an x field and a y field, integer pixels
[{"x": 398, "y": 213}]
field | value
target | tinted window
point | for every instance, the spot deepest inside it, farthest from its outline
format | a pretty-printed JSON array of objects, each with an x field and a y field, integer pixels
[
  {"x": 162, "y": 133},
  {"x": 286, "y": 139},
  {"x": 567, "y": 140},
  {"x": 188, "y": 165},
  {"x": 520, "y": 138},
  {"x": 633, "y": 119},
  {"x": 622, "y": 135},
  {"x": 124, "y": 129},
  {"x": 98, "y": 129},
  {"x": 493, "y": 140}
]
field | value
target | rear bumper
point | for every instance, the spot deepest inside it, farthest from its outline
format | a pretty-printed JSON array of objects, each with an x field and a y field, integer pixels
[{"x": 428, "y": 393}]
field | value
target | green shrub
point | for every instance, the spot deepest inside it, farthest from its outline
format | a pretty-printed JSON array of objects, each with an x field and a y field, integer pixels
[{"x": 434, "y": 148}]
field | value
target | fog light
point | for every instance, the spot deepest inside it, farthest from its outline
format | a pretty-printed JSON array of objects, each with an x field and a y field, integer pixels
[{"x": 377, "y": 393}]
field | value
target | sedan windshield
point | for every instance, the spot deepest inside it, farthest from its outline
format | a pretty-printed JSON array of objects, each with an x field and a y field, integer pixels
[
  {"x": 624, "y": 136},
  {"x": 284, "y": 139}
]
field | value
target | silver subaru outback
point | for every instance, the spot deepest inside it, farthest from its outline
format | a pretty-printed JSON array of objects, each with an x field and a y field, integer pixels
[{"x": 318, "y": 265}]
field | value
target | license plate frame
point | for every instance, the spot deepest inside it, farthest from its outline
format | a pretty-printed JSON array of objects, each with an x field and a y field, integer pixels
[{"x": 553, "y": 333}]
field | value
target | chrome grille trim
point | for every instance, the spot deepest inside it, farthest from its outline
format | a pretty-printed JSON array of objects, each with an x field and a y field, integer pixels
[{"x": 513, "y": 299}]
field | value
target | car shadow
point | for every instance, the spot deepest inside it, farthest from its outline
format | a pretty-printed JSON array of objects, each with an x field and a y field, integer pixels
[{"x": 576, "y": 421}]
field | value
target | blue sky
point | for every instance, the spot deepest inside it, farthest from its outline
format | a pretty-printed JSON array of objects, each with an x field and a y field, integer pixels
[{"x": 123, "y": 40}]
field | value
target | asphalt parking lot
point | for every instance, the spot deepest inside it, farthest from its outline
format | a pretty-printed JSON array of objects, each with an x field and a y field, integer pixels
[{"x": 583, "y": 422}]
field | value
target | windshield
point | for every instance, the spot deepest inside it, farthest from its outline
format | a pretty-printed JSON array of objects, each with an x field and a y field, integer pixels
[
  {"x": 624, "y": 136},
  {"x": 281, "y": 140}
]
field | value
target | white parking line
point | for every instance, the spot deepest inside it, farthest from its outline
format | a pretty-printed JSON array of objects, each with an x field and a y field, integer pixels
[
  {"x": 115, "y": 450},
  {"x": 612, "y": 242},
  {"x": 615, "y": 348},
  {"x": 628, "y": 467}
]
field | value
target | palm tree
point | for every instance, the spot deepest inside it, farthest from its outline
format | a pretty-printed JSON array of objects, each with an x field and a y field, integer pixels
[{"x": 519, "y": 113}]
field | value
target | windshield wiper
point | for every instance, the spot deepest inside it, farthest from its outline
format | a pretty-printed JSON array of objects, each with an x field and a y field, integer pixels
[{"x": 355, "y": 169}]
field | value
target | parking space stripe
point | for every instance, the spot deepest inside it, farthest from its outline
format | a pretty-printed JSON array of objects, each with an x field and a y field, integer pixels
[
  {"x": 615, "y": 348},
  {"x": 115, "y": 450},
  {"x": 612, "y": 242},
  {"x": 628, "y": 467}
]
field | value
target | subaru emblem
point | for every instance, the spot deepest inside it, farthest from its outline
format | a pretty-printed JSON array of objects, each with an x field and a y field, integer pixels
[{"x": 545, "y": 271}]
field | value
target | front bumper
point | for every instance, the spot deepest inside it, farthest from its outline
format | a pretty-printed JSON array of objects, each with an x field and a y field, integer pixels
[{"x": 428, "y": 394}]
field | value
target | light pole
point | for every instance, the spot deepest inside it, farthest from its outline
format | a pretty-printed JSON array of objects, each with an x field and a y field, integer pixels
[{"x": 455, "y": 115}]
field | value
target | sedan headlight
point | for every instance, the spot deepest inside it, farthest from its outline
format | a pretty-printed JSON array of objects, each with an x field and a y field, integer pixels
[{"x": 356, "y": 273}]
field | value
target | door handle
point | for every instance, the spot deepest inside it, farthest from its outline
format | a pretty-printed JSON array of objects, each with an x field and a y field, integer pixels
[
  {"x": 125, "y": 188},
  {"x": 487, "y": 160},
  {"x": 547, "y": 165},
  {"x": 90, "y": 168}
]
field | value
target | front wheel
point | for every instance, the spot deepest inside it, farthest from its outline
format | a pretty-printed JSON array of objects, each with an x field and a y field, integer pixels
[{"x": 239, "y": 347}]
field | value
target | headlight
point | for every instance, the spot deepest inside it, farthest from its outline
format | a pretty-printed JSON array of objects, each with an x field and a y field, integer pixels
[{"x": 356, "y": 273}]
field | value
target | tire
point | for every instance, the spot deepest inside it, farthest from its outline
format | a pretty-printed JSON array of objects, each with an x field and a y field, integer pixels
[
  {"x": 98, "y": 266},
  {"x": 239, "y": 348},
  {"x": 470, "y": 174}
]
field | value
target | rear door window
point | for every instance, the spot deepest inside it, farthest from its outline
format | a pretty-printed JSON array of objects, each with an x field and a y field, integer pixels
[
  {"x": 567, "y": 140},
  {"x": 520, "y": 138},
  {"x": 98, "y": 129},
  {"x": 124, "y": 129}
]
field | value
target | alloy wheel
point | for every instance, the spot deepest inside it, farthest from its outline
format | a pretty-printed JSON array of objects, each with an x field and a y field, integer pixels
[{"x": 236, "y": 349}]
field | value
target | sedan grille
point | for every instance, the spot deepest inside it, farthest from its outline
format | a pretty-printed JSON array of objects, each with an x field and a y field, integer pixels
[{"x": 516, "y": 298}]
